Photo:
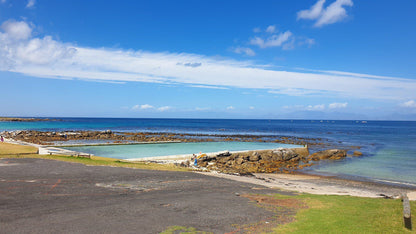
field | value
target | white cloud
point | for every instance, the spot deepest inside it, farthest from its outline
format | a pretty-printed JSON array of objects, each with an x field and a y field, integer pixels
[
  {"x": 409, "y": 104},
  {"x": 3, "y": 1},
  {"x": 43, "y": 51},
  {"x": 190, "y": 64},
  {"x": 295, "y": 92},
  {"x": 251, "y": 107},
  {"x": 319, "y": 107},
  {"x": 244, "y": 50},
  {"x": 48, "y": 58},
  {"x": 150, "y": 107},
  {"x": 335, "y": 12},
  {"x": 202, "y": 108},
  {"x": 30, "y": 3},
  {"x": 16, "y": 30},
  {"x": 272, "y": 41},
  {"x": 316, "y": 107},
  {"x": 142, "y": 107},
  {"x": 336, "y": 105},
  {"x": 164, "y": 108},
  {"x": 208, "y": 87},
  {"x": 271, "y": 29},
  {"x": 17, "y": 48},
  {"x": 230, "y": 108},
  {"x": 314, "y": 12}
]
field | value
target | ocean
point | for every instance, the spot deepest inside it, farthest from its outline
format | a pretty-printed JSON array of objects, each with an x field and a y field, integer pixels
[{"x": 388, "y": 147}]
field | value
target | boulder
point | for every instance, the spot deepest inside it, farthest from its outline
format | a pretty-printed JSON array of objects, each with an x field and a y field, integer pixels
[
  {"x": 284, "y": 154},
  {"x": 254, "y": 157},
  {"x": 239, "y": 161},
  {"x": 357, "y": 153},
  {"x": 331, "y": 154}
]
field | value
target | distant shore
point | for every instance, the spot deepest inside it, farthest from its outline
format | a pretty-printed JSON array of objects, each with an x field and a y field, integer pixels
[{"x": 18, "y": 119}]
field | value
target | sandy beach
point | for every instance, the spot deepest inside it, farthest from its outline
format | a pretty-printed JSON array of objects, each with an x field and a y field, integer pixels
[{"x": 322, "y": 185}]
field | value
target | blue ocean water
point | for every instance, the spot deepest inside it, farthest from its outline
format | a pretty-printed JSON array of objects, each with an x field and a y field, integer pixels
[{"x": 389, "y": 146}]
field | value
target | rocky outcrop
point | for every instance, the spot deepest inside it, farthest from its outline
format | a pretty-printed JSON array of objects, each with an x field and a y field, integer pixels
[
  {"x": 331, "y": 154},
  {"x": 357, "y": 153},
  {"x": 266, "y": 161},
  {"x": 47, "y": 138},
  {"x": 13, "y": 119}
]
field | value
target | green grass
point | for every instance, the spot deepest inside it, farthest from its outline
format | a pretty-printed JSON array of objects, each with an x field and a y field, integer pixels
[
  {"x": 18, "y": 151},
  {"x": 346, "y": 214},
  {"x": 6, "y": 148}
]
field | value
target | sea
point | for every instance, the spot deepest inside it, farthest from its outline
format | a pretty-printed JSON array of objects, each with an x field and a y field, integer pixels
[{"x": 388, "y": 147}]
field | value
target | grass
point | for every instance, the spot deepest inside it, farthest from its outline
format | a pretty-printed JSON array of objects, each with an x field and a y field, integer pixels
[
  {"x": 6, "y": 148},
  {"x": 18, "y": 151},
  {"x": 346, "y": 214}
]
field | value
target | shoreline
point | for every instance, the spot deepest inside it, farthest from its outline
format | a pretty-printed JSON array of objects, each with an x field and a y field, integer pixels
[
  {"x": 322, "y": 185},
  {"x": 311, "y": 183},
  {"x": 109, "y": 137}
]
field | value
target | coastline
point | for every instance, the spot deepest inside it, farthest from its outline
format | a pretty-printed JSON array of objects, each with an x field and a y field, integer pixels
[
  {"x": 322, "y": 185},
  {"x": 304, "y": 183},
  {"x": 21, "y": 119}
]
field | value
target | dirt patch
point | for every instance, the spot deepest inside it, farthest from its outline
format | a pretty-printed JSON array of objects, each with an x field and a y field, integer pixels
[
  {"x": 285, "y": 210},
  {"x": 273, "y": 201}
]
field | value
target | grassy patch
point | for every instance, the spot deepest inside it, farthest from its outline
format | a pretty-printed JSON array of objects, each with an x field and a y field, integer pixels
[
  {"x": 6, "y": 148},
  {"x": 19, "y": 151},
  {"x": 346, "y": 214}
]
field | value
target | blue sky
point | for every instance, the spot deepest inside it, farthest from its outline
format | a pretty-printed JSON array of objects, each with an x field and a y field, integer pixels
[{"x": 313, "y": 59}]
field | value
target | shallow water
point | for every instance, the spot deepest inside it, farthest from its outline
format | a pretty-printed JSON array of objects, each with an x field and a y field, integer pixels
[
  {"x": 167, "y": 149},
  {"x": 388, "y": 147}
]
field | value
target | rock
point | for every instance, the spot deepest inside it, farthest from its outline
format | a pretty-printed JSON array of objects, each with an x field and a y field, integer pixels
[
  {"x": 254, "y": 157},
  {"x": 331, "y": 154},
  {"x": 284, "y": 154},
  {"x": 224, "y": 154},
  {"x": 357, "y": 153},
  {"x": 239, "y": 160}
]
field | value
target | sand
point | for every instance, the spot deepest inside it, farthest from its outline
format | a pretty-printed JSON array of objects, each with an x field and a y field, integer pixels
[{"x": 321, "y": 185}]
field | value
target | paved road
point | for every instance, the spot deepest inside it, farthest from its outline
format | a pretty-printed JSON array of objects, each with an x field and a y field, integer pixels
[{"x": 46, "y": 196}]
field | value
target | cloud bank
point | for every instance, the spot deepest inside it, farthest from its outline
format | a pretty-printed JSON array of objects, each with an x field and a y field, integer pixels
[{"x": 45, "y": 57}]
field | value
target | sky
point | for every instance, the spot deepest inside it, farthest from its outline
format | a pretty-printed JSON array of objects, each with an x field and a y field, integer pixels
[{"x": 305, "y": 59}]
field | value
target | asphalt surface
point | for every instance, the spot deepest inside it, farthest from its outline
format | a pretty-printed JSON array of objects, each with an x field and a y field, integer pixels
[{"x": 46, "y": 196}]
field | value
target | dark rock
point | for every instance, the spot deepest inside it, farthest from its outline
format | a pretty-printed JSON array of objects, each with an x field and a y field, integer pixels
[{"x": 225, "y": 154}]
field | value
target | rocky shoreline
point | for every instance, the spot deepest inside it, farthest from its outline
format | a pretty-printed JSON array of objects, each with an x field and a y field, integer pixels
[
  {"x": 108, "y": 136},
  {"x": 260, "y": 161},
  {"x": 264, "y": 161},
  {"x": 17, "y": 119},
  {"x": 278, "y": 168}
]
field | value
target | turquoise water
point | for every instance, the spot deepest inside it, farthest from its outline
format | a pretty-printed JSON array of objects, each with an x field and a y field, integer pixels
[
  {"x": 391, "y": 163},
  {"x": 165, "y": 149},
  {"x": 388, "y": 147}
]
